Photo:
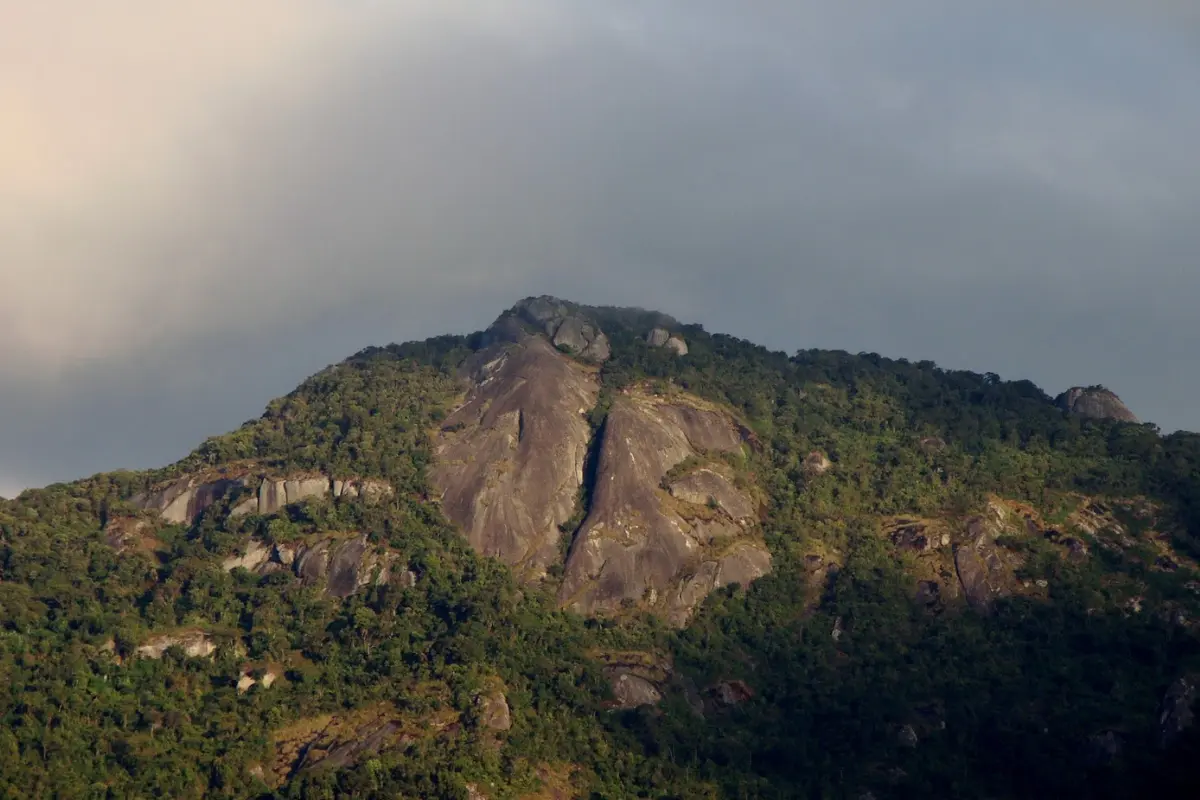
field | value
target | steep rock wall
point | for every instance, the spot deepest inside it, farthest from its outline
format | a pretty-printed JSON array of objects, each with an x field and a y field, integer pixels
[
  {"x": 641, "y": 545},
  {"x": 509, "y": 463}
]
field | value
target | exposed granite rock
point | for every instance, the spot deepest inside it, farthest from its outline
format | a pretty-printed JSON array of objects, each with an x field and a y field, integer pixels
[
  {"x": 195, "y": 644},
  {"x": 907, "y": 737},
  {"x": 341, "y": 566},
  {"x": 334, "y": 741},
  {"x": 509, "y": 463},
  {"x": 981, "y": 566},
  {"x": 658, "y": 337},
  {"x": 707, "y": 486},
  {"x": 1175, "y": 714},
  {"x": 182, "y": 500},
  {"x": 277, "y": 493},
  {"x": 637, "y": 678},
  {"x": 491, "y": 709},
  {"x": 661, "y": 337},
  {"x": 257, "y": 553},
  {"x": 632, "y": 691},
  {"x": 1095, "y": 402},
  {"x": 817, "y": 463},
  {"x": 567, "y": 326},
  {"x": 636, "y": 548}
]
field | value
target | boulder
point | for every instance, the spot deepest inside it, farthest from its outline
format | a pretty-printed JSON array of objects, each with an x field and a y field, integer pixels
[
  {"x": 632, "y": 691},
  {"x": 275, "y": 493},
  {"x": 677, "y": 345},
  {"x": 566, "y": 325},
  {"x": 341, "y": 566},
  {"x": 491, "y": 710},
  {"x": 509, "y": 463},
  {"x": 658, "y": 337},
  {"x": 1094, "y": 402},
  {"x": 257, "y": 553},
  {"x": 637, "y": 678}
]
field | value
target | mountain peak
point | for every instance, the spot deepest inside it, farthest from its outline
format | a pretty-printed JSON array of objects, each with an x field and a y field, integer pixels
[{"x": 1095, "y": 402}]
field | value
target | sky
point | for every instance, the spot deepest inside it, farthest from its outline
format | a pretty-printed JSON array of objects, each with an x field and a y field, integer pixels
[{"x": 204, "y": 202}]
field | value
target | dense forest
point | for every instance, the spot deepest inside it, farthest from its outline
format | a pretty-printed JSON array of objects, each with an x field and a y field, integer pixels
[{"x": 836, "y": 675}]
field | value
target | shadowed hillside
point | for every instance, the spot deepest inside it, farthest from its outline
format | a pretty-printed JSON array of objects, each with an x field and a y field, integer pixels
[{"x": 594, "y": 552}]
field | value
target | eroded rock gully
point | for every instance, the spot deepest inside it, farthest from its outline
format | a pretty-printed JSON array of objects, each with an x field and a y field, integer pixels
[{"x": 509, "y": 469}]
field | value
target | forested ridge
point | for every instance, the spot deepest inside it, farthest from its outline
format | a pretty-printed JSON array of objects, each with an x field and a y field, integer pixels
[{"x": 850, "y": 670}]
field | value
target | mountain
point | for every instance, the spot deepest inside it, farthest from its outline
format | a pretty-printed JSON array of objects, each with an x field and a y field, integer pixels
[{"x": 597, "y": 552}]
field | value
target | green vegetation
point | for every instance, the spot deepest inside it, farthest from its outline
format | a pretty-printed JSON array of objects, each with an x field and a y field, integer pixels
[{"x": 1004, "y": 705}]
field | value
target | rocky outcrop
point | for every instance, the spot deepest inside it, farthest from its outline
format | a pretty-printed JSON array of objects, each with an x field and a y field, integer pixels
[
  {"x": 661, "y": 337},
  {"x": 341, "y": 566},
  {"x": 677, "y": 345},
  {"x": 636, "y": 545},
  {"x": 982, "y": 567},
  {"x": 633, "y": 691},
  {"x": 196, "y": 644},
  {"x": 566, "y": 325},
  {"x": 707, "y": 486},
  {"x": 335, "y": 741},
  {"x": 509, "y": 463},
  {"x": 658, "y": 337},
  {"x": 491, "y": 709},
  {"x": 637, "y": 678},
  {"x": 1094, "y": 402},
  {"x": 275, "y": 494},
  {"x": 182, "y": 500}
]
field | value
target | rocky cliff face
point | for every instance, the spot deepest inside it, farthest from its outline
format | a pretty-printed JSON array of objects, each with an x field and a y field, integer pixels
[
  {"x": 341, "y": 566},
  {"x": 641, "y": 544},
  {"x": 509, "y": 463},
  {"x": 181, "y": 501},
  {"x": 509, "y": 469},
  {"x": 1095, "y": 403}
]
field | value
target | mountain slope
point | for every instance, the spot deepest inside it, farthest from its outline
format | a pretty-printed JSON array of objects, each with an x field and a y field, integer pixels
[{"x": 816, "y": 575}]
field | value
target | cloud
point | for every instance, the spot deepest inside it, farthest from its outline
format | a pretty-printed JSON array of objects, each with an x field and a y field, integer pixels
[{"x": 201, "y": 203}]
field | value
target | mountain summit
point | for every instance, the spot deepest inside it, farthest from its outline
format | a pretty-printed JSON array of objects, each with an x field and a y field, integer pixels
[{"x": 598, "y": 552}]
